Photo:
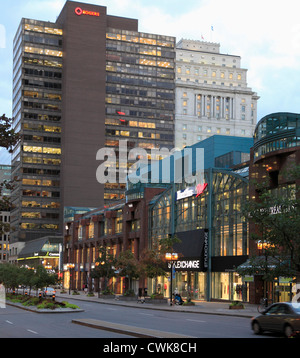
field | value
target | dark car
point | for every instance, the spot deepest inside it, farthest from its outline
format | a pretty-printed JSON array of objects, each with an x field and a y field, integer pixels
[{"x": 279, "y": 317}]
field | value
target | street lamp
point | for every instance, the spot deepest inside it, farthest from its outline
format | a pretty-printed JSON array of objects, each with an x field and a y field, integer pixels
[
  {"x": 171, "y": 257},
  {"x": 70, "y": 266}
]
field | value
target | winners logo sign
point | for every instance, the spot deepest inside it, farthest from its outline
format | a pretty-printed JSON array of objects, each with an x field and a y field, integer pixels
[{"x": 197, "y": 190}]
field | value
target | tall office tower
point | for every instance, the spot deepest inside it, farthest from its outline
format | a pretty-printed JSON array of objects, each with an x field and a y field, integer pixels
[
  {"x": 80, "y": 84},
  {"x": 5, "y": 176},
  {"x": 212, "y": 95}
]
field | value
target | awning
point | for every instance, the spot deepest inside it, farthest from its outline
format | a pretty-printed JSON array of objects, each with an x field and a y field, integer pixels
[
  {"x": 260, "y": 265},
  {"x": 40, "y": 246}
]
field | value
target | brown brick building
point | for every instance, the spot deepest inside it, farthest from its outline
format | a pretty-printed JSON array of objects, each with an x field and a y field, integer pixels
[{"x": 117, "y": 227}]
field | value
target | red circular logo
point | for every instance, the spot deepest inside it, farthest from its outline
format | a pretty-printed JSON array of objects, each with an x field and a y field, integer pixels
[{"x": 78, "y": 11}]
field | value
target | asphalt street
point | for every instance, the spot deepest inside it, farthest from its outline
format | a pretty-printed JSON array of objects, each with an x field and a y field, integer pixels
[{"x": 17, "y": 323}]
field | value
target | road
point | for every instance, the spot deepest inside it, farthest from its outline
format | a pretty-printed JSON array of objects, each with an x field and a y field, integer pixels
[{"x": 17, "y": 323}]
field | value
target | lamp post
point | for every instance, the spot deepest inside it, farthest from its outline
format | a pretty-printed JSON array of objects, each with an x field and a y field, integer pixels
[
  {"x": 70, "y": 266},
  {"x": 171, "y": 257}
]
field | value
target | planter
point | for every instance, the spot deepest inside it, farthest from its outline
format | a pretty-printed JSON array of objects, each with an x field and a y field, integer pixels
[
  {"x": 156, "y": 300},
  {"x": 107, "y": 296},
  {"x": 127, "y": 298}
]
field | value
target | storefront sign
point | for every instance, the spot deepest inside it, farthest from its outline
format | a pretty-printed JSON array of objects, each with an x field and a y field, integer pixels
[
  {"x": 188, "y": 192},
  {"x": 187, "y": 265},
  {"x": 205, "y": 251},
  {"x": 248, "y": 278},
  {"x": 79, "y": 11}
]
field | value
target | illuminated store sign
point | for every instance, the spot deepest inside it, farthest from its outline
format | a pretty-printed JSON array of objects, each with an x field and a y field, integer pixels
[
  {"x": 79, "y": 11},
  {"x": 188, "y": 192}
]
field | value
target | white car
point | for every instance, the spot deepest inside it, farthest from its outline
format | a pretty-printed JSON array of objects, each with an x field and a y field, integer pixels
[{"x": 48, "y": 291}]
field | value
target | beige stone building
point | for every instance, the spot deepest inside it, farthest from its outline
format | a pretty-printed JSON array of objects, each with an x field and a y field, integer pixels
[{"x": 212, "y": 94}]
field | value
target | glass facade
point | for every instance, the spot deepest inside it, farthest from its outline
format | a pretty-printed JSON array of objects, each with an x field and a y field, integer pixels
[
  {"x": 275, "y": 132},
  {"x": 140, "y": 84},
  {"x": 217, "y": 209},
  {"x": 37, "y": 98}
]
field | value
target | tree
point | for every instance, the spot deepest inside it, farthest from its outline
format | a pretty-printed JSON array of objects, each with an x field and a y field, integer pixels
[
  {"x": 104, "y": 266},
  {"x": 27, "y": 275},
  {"x": 42, "y": 278},
  {"x": 153, "y": 262},
  {"x": 127, "y": 266},
  {"x": 8, "y": 139},
  {"x": 277, "y": 224},
  {"x": 9, "y": 276}
]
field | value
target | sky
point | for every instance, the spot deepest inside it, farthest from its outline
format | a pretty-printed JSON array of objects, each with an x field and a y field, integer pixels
[{"x": 265, "y": 33}]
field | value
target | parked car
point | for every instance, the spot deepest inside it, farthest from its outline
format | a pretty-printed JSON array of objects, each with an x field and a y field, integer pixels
[
  {"x": 279, "y": 317},
  {"x": 48, "y": 291}
]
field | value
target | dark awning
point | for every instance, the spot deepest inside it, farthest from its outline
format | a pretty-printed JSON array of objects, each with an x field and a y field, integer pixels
[
  {"x": 259, "y": 265},
  {"x": 35, "y": 247}
]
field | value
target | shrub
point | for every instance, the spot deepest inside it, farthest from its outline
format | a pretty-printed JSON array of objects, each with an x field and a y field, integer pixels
[
  {"x": 46, "y": 305},
  {"x": 69, "y": 305}
]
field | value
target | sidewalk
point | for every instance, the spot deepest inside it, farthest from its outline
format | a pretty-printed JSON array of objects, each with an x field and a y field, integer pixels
[{"x": 200, "y": 307}]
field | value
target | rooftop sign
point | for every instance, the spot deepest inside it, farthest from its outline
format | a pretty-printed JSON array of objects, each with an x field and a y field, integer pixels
[{"x": 79, "y": 11}]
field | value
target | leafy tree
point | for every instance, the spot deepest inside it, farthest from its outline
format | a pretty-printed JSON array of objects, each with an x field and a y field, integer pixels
[
  {"x": 104, "y": 266},
  {"x": 153, "y": 262},
  {"x": 127, "y": 265},
  {"x": 42, "y": 278},
  {"x": 12, "y": 276},
  {"x": 277, "y": 229},
  {"x": 8, "y": 139},
  {"x": 26, "y": 277},
  {"x": 9, "y": 276}
]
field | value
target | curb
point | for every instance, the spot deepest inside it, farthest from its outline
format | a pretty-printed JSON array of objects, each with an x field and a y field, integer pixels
[
  {"x": 36, "y": 310},
  {"x": 137, "y": 332}
]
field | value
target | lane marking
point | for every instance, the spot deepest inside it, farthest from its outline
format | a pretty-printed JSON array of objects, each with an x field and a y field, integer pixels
[
  {"x": 29, "y": 330},
  {"x": 9, "y": 322},
  {"x": 196, "y": 320}
]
